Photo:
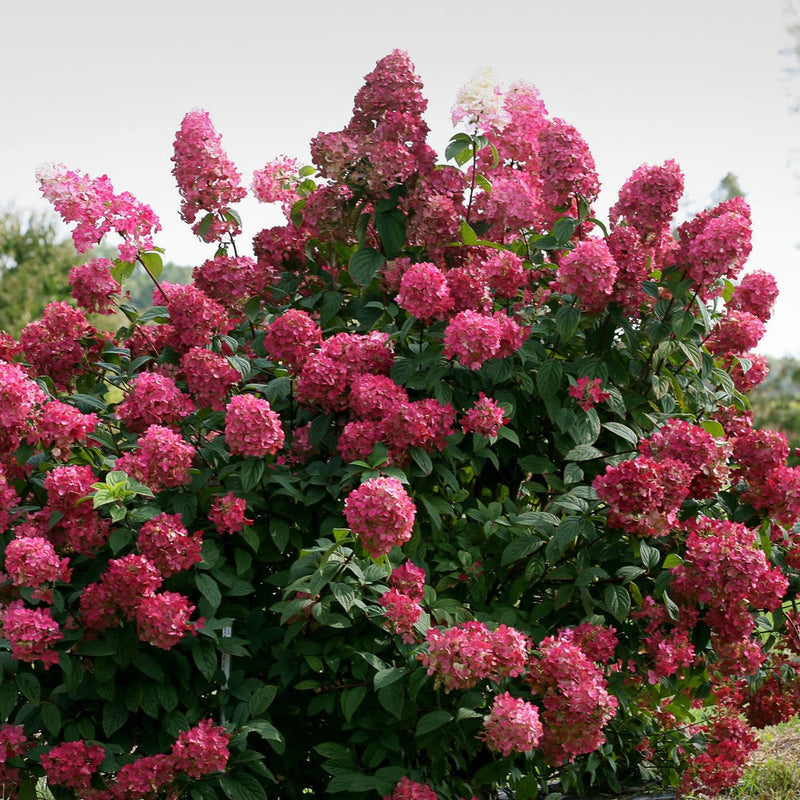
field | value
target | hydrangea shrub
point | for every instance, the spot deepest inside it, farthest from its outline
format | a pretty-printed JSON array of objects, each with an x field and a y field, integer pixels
[{"x": 448, "y": 489}]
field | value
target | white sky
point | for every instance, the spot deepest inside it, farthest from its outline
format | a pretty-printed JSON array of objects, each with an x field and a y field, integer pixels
[{"x": 103, "y": 86}]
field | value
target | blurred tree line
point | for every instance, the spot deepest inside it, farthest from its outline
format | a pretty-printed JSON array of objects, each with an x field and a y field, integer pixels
[{"x": 35, "y": 260}]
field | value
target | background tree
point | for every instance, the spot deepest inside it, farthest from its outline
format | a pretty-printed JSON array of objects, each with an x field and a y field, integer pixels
[{"x": 35, "y": 260}]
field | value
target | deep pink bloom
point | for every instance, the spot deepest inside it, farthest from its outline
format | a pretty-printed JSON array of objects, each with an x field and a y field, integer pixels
[
  {"x": 407, "y": 789},
  {"x": 381, "y": 514},
  {"x": 736, "y": 332},
  {"x": 162, "y": 459},
  {"x": 67, "y": 485},
  {"x": 154, "y": 399},
  {"x": 464, "y": 654},
  {"x": 207, "y": 179},
  {"x": 424, "y": 292},
  {"x": 72, "y": 764},
  {"x": 209, "y": 377},
  {"x": 168, "y": 545},
  {"x": 567, "y": 165},
  {"x": 162, "y": 619},
  {"x": 194, "y": 316},
  {"x": 252, "y": 428},
  {"x": 201, "y": 750},
  {"x": 588, "y": 392},
  {"x": 231, "y": 281},
  {"x": 60, "y": 425},
  {"x": 473, "y": 338},
  {"x": 92, "y": 203},
  {"x": 409, "y": 579},
  {"x": 145, "y": 776},
  {"x": 93, "y": 286},
  {"x": 52, "y": 344},
  {"x": 649, "y": 199},
  {"x": 292, "y": 337},
  {"x": 512, "y": 725},
  {"x": 756, "y": 293},
  {"x": 375, "y": 396},
  {"x": 588, "y": 272},
  {"x": 486, "y": 417},
  {"x": 402, "y": 612},
  {"x": 31, "y": 633},
  {"x": 129, "y": 580},
  {"x": 32, "y": 561},
  {"x": 228, "y": 513}
]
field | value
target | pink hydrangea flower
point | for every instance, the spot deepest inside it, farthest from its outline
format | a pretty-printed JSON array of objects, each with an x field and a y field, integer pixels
[
  {"x": 209, "y": 377},
  {"x": 168, "y": 545},
  {"x": 381, "y": 514},
  {"x": 207, "y": 179},
  {"x": 32, "y": 632},
  {"x": 277, "y": 182},
  {"x": 201, "y": 750},
  {"x": 153, "y": 399},
  {"x": 228, "y": 513},
  {"x": 424, "y": 292},
  {"x": 588, "y": 392},
  {"x": 756, "y": 293},
  {"x": 485, "y": 417},
  {"x": 409, "y": 579},
  {"x": 292, "y": 337},
  {"x": 407, "y": 789},
  {"x": 32, "y": 561},
  {"x": 93, "y": 204},
  {"x": 736, "y": 332},
  {"x": 649, "y": 199},
  {"x": 67, "y": 485},
  {"x": 145, "y": 776},
  {"x": 162, "y": 459},
  {"x": 52, "y": 344},
  {"x": 229, "y": 280},
  {"x": 473, "y": 338},
  {"x": 93, "y": 286},
  {"x": 512, "y": 725},
  {"x": 464, "y": 654},
  {"x": 402, "y": 612},
  {"x": 60, "y": 425},
  {"x": 194, "y": 316},
  {"x": 567, "y": 165},
  {"x": 252, "y": 428},
  {"x": 588, "y": 272},
  {"x": 128, "y": 580},
  {"x": 375, "y": 396},
  {"x": 72, "y": 764},
  {"x": 162, "y": 619}
]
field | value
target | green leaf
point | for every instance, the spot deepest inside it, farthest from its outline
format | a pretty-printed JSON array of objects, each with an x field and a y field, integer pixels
[
  {"x": 468, "y": 235},
  {"x": 391, "y": 698},
  {"x": 29, "y": 686},
  {"x": 714, "y": 428},
  {"x": 564, "y": 229},
  {"x": 623, "y": 431},
  {"x": 567, "y": 320},
  {"x": 391, "y": 227},
  {"x": 122, "y": 270},
  {"x": 209, "y": 589},
  {"x": 261, "y": 699},
  {"x": 548, "y": 378},
  {"x": 386, "y": 677},
  {"x": 421, "y": 458},
  {"x": 115, "y": 715},
  {"x": 153, "y": 263},
  {"x": 364, "y": 263},
  {"x": 351, "y": 699},
  {"x": 583, "y": 452},
  {"x": 521, "y": 547},
  {"x": 243, "y": 786},
  {"x": 672, "y": 560},
  {"x": 51, "y": 718},
  {"x": 650, "y": 555},
  {"x": 431, "y": 721},
  {"x": 618, "y": 601},
  {"x": 251, "y": 472}
]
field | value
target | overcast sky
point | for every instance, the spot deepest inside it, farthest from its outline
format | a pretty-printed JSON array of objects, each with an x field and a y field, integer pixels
[{"x": 102, "y": 87}]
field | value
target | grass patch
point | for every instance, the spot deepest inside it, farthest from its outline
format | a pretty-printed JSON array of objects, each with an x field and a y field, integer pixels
[{"x": 774, "y": 769}]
